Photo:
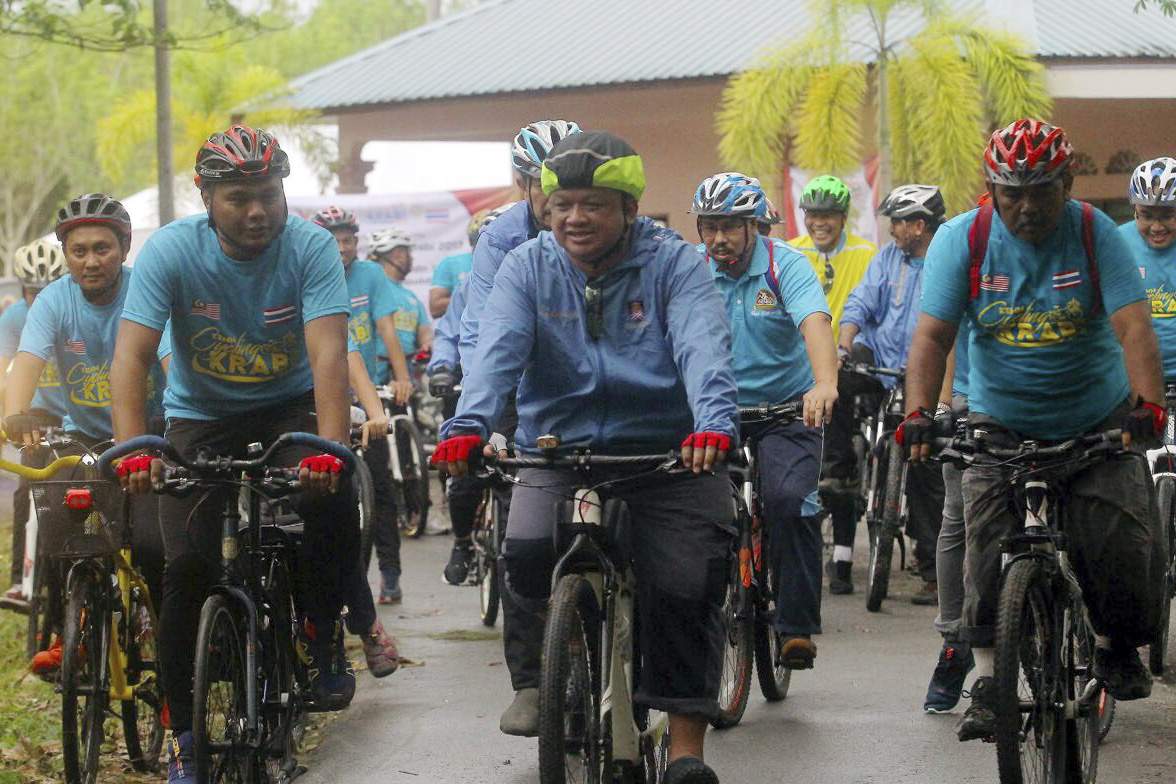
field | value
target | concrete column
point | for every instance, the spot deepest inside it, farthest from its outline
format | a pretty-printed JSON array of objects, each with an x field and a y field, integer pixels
[{"x": 352, "y": 170}]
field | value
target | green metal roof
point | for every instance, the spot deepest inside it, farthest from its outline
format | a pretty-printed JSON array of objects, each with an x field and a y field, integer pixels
[{"x": 509, "y": 46}]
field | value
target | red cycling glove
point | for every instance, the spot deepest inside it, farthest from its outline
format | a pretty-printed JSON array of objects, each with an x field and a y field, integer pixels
[
  {"x": 720, "y": 441},
  {"x": 134, "y": 464},
  {"x": 455, "y": 449},
  {"x": 915, "y": 429},
  {"x": 1146, "y": 421},
  {"x": 321, "y": 464}
]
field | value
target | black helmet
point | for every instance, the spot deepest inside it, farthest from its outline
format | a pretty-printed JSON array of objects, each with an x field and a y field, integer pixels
[
  {"x": 240, "y": 153},
  {"x": 94, "y": 208}
]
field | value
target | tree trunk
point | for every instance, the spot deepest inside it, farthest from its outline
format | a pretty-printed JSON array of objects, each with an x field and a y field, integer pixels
[
  {"x": 884, "y": 172},
  {"x": 163, "y": 135},
  {"x": 432, "y": 10}
]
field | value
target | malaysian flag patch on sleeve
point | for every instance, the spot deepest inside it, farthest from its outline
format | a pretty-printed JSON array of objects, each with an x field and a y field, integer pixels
[{"x": 994, "y": 282}]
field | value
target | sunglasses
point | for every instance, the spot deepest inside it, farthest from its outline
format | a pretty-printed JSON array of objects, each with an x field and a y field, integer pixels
[{"x": 594, "y": 307}]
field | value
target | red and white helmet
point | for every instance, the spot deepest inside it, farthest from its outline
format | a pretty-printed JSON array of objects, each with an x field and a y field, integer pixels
[
  {"x": 1027, "y": 152},
  {"x": 333, "y": 217}
]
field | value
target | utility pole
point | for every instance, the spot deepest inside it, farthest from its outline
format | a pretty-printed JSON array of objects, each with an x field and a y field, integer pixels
[
  {"x": 163, "y": 134},
  {"x": 432, "y": 10}
]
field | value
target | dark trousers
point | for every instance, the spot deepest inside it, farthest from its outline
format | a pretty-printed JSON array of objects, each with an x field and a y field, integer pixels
[
  {"x": 463, "y": 493},
  {"x": 925, "y": 502},
  {"x": 386, "y": 528},
  {"x": 327, "y": 559},
  {"x": 840, "y": 459},
  {"x": 789, "y": 461}
]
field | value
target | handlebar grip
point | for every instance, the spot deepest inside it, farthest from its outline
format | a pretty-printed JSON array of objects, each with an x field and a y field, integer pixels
[
  {"x": 323, "y": 445},
  {"x": 136, "y": 444}
]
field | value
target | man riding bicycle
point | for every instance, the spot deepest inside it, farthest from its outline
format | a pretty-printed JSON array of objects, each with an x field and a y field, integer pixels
[
  {"x": 1151, "y": 238},
  {"x": 1061, "y": 345},
  {"x": 781, "y": 335},
  {"x": 617, "y": 339},
  {"x": 392, "y": 249},
  {"x": 258, "y": 306}
]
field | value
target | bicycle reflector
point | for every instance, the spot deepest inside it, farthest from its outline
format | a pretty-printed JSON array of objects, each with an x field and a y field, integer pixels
[
  {"x": 588, "y": 507},
  {"x": 79, "y": 498}
]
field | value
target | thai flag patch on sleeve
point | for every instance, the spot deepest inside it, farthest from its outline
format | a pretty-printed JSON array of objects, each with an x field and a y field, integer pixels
[
  {"x": 995, "y": 282},
  {"x": 279, "y": 315},
  {"x": 1067, "y": 279},
  {"x": 360, "y": 301}
]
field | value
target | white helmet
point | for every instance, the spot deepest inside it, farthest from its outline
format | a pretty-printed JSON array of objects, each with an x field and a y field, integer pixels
[
  {"x": 385, "y": 240},
  {"x": 39, "y": 263},
  {"x": 1153, "y": 183},
  {"x": 534, "y": 141}
]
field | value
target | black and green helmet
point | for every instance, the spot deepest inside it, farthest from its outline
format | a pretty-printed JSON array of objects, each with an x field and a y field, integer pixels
[
  {"x": 825, "y": 193},
  {"x": 596, "y": 159}
]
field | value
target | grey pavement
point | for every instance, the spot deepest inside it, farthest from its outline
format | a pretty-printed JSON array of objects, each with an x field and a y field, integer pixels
[{"x": 857, "y": 717}]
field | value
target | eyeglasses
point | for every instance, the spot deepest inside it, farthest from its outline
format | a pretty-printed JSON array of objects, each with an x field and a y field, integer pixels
[
  {"x": 594, "y": 307},
  {"x": 1163, "y": 220}
]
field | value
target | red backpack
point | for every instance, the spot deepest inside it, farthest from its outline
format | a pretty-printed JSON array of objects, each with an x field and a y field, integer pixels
[{"x": 978, "y": 247}]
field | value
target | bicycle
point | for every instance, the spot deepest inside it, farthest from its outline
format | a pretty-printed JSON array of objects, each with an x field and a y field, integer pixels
[
  {"x": 365, "y": 492},
  {"x": 1050, "y": 708},
  {"x": 408, "y": 462},
  {"x": 250, "y": 686},
  {"x": 1162, "y": 462},
  {"x": 589, "y": 729},
  {"x": 749, "y": 604}
]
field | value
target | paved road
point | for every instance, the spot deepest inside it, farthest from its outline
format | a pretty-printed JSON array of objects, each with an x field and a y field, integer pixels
[{"x": 856, "y": 718}]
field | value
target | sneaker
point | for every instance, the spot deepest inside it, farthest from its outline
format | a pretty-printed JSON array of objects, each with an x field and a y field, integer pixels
[
  {"x": 840, "y": 577},
  {"x": 390, "y": 592},
  {"x": 48, "y": 661},
  {"x": 522, "y": 717},
  {"x": 927, "y": 595},
  {"x": 380, "y": 651},
  {"x": 460, "y": 558},
  {"x": 332, "y": 682},
  {"x": 979, "y": 721},
  {"x": 15, "y": 600},
  {"x": 1123, "y": 673},
  {"x": 947, "y": 682},
  {"x": 797, "y": 652},
  {"x": 690, "y": 770},
  {"x": 181, "y": 764}
]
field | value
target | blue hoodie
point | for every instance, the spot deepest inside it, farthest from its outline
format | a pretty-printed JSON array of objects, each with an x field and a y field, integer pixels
[{"x": 508, "y": 231}]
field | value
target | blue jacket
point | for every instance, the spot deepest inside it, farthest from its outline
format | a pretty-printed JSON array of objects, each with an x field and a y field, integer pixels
[
  {"x": 447, "y": 331},
  {"x": 885, "y": 306},
  {"x": 510, "y": 230},
  {"x": 660, "y": 370}
]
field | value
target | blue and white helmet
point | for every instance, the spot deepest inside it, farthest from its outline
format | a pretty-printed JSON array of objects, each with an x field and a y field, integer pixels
[
  {"x": 730, "y": 193},
  {"x": 1153, "y": 183},
  {"x": 534, "y": 141}
]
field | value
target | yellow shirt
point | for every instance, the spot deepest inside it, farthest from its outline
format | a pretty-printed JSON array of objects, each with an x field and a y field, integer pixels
[{"x": 849, "y": 259}]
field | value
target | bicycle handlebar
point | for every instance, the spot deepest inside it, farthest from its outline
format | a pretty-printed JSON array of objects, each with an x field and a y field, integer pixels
[
  {"x": 872, "y": 370},
  {"x": 586, "y": 460},
  {"x": 38, "y": 474},
  {"x": 968, "y": 450},
  {"x": 789, "y": 411},
  {"x": 200, "y": 467}
]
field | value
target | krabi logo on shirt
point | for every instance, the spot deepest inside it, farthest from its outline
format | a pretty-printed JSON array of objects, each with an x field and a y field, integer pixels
[
  {"x": 360, "y": 328},
  {"x": 1029, "y": 327},
  {"x": 89, "y": 385},
  {"x": 765, "y": 300},
  {"x": 1163, "y": 303},
  {"x": 406, "y": 319},
  {"x": 233, "y": 358}
]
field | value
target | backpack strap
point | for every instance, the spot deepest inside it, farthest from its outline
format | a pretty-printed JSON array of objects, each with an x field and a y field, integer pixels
[
  {"x": 773, "y": 282},
  {"x": 978, "y": 246},
  {"x": 1091, "y": 261}
]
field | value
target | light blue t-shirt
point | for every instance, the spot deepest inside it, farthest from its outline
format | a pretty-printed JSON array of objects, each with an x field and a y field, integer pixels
[
  {"x": 452, "y": 270},
  {"x": 48, "y": 394},
  {"x": 409, "y": 315},
  {"x": 959, "y": 381},
  {"x": 1157, "y": 268},
  {"x": 771, "y": 364},
  {"x": 237, "y": 326},
  {"x": 65, "y": 327},
  {"x": 372, "y": 299},
  {"x": 1039, "y": 362}
]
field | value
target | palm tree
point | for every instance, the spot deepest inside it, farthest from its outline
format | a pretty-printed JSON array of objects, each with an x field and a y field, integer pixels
[{"x": 936, "y": 92}]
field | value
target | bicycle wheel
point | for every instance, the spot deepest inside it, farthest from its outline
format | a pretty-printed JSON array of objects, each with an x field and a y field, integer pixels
[
  {"x": 1084, "y": 727},
  {"x": 1029, "y": 727},
  {"x": 219, "y": 715},
  {"x": 85, "y": 642},
  {"x": 1106, "y": 714},
  {"x": 738, "y": 636},
  {"x": 41, "y": 599},
  {"x": 142, "y": 717},
  {"x": 884, "y": 531},
  {"x": 487, "y": 558},
  {"x": 570, "y": 733},
  {"x": 1157, "y": 651},
  {"x": 774, "y": 677},
  {"x": 365, "y": 496},
  {"x": 414, "y": 509},
  {"x": 281, "y": 673}
]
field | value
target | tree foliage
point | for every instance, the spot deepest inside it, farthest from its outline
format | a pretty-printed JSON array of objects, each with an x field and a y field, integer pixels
[
  {"x": 1166, "y": 7},
  {"x": 944, "y": 86}
]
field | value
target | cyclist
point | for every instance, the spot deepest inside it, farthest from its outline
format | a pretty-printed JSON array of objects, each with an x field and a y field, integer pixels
[
  {"x": 839, "y": 258},
  {"x": 1151, "y": 238},
  {"x": 453, "y": 269},
  {"x": 616, "y": 338},
  {"x": 876, "y": 328},
  {"x": 35, "y": 265},
  {"x": 392, "y": 248},
  {"x": 770, "y": 218},
  {"x": 373, "y": 309},
  {"x": 1058, "y": 348},
  {"x": 258, "y": 306},
  {"x": 73, "y": 323},
  {"x": 782, "y": 340}
]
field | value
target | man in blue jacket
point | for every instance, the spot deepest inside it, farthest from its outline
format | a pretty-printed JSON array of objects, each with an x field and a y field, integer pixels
[{"x": 617, "y": 339}]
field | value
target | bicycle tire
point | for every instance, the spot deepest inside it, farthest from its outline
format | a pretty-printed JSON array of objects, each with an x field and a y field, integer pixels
[
  {"x": 365, "y": 495},
  {"x": 142, "y": 716},
  {"x": 282, "y": 672},
  {"x": 1106, "y": 714},
  {"x": 218, "y": 697},
  {"x": 1157, "y": 652},
  {"x": 774, "y": 677},
  {"x": 1025, "y": 646},
  {"x": 414, "y": 493},
  {"x": 738, "y": 614},
  {"x": 569, "y": 688},
  {"x": 486, "y": 557},
  {"x": 883, "y": 535},
  {"x": 84, "y": 691},
  {"x": 40, "y": 600},
  {"x": 1083, "y": 730}
]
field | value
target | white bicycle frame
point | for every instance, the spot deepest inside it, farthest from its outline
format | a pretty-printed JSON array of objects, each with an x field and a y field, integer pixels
[
  {"x": 395, "y": 420},
  {"x": 1166, "y": 450},
  {"x": 28, "y": 575}
]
